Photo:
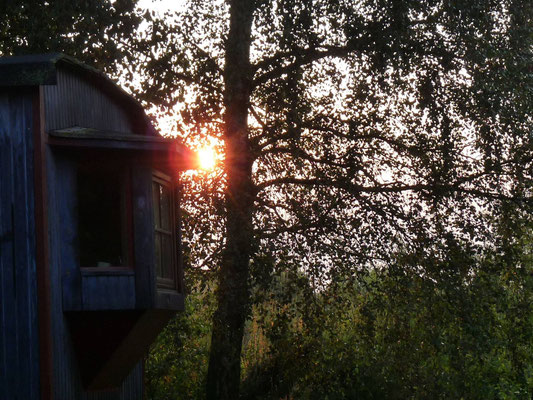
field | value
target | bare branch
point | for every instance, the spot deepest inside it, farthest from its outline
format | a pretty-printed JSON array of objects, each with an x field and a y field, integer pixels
[
  {"x": 302, "y": 57},
  {"x": 300, "y": 153},
  {"x": 391, "y": 188}
]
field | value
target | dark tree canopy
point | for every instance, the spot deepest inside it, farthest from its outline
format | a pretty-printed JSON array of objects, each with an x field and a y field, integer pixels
[{"x": 95, "y": 32}]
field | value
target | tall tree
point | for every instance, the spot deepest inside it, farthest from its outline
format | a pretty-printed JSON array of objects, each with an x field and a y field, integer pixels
[
  {"x": 223, "y": 377},
  {"x": 353, "y": 131}
]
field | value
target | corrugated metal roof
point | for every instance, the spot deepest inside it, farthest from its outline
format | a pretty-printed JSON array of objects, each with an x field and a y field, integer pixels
[{"x": 40, "y": 69}]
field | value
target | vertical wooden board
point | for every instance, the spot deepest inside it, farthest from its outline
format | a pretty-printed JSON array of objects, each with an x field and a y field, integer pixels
[
  {"x": 61, "y": 177},
  {"x": 32, "y": 289},
  {"x": 33, "y": 380},
  {"x": 4, "y": 235},
  {"x": 50, "y": 92},
  {"x": 67, "y": 218},
  {"x": 62, "y": 369},
  {"x": 24, "y": 250},
  {"x": 143, "y": 237},
  {"x": 133, "y": 386},
  {"x": 19, "y": 358},
  {"x": 65, "y": 381},
  {"x": 91, "y": 289},
  {"x": 125, "y": 294},
  {"x": 104, "y": 395},
  {"x": 53, "y": 217},
  {"x": 20, "y": 262},
  {"x": 8, "y": 306}
]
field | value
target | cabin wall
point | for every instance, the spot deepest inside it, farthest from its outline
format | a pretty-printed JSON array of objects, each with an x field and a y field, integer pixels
[
  {"x": 64, "y": 266},
  {"x": 143, "y": 236},
  {"x": 75, "y": 101},
  {"x": 32, "y": 229},
  {"x": 19, "y": 343}
]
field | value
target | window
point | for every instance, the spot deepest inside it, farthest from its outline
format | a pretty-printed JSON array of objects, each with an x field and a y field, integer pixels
[
  {"x": 102, "y": 217},
  {"x": 164, "y": 231}
]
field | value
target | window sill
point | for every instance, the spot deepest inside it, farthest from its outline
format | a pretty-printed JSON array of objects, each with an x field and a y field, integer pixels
[{"x": 106, "y": 271}]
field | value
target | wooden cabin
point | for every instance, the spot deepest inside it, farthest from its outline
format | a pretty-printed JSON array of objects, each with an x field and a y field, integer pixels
[{"x": 90, "y": 248}]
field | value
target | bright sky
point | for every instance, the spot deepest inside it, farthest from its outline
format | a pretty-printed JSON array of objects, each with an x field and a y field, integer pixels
[
  {"x": 163, "y": 5},
  {"x": 207, "y": 156}
]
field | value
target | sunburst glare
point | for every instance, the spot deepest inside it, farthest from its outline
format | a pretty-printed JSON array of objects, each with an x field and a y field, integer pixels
[{"x": 206, "y": 158}]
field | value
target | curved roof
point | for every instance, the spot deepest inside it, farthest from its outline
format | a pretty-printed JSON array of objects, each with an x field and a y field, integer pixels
[{"x": 41, "y": 69}]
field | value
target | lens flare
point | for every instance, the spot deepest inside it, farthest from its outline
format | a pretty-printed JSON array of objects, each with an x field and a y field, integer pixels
[{"x": 206, "y": 158}]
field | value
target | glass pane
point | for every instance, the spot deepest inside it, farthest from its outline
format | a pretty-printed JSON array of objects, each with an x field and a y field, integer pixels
[
  {"x": 158, "y": 264},
  {"x": 155, "y": 195},
  {"x": 167, "y": 256},
  {"x": 165, "y": 207},
  {"x": 100, "y": 225}
]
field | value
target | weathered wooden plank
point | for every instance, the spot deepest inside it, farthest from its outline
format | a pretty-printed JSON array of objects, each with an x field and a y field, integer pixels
[
  {"x": 133, "y": 384},
  {"x": 42, "y": 247},
  {"x": 108, "y": 292},
  {"x": 20, "y": 262},
  {"x": 91, "y": 133},
  {"x": 23, "y": 243},
  {"x": 34, "y": 377},
  {"x": 170, "y": 149},
  {"x": 143, "y": 236},
  {"x": 5, "y": 228},
  {"x": 9, "y": 351},
  {"x": 19, "y": 359},
  {"x": 64, "y": 364},
  {"x": 66, "y": 379},
  {"x": 67, "y": 224}
]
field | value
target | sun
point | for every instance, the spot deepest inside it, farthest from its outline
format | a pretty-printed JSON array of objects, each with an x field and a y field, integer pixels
[{"x": 206, "y": 158}]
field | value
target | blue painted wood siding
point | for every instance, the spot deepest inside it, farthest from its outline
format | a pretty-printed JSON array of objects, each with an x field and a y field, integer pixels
[
  {"x": 19, "y": 352},
  {"x": 65, "y": 277},
  {"x": 108, "y": 292}
]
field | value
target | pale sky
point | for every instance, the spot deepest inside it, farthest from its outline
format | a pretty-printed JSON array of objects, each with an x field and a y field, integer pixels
[{"x": 162, "y": 5}]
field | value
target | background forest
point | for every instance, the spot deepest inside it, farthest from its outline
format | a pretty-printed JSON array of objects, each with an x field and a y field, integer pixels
[
  {"x": 391, "y": 334},
  {"x": 368, "y": 231}
]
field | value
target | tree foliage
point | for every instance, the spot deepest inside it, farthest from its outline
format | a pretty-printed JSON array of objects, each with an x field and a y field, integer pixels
[
  {"x": 96, "y": 32},
  {"x": 355, "y": 132},
  {"x": 401, "y": 336},
  {"x": 177, "y": 364},
  {"x": 385, "y": 334}
]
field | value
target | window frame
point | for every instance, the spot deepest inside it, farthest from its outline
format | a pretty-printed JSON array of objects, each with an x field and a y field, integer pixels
[
  {"x": 166, "y": 283},
  {"x": 126, "y": 218}
]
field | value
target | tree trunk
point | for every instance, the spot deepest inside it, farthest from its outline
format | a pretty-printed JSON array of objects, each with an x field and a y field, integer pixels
[{"x": 223, "y": 377}]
